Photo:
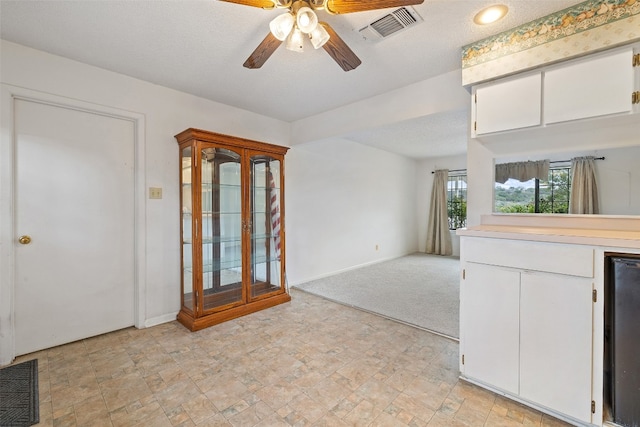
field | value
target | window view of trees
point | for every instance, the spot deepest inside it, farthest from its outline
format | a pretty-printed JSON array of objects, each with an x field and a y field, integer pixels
[
  {"x": 535, "y": 196},
  {"x": 457, "y": 201}
]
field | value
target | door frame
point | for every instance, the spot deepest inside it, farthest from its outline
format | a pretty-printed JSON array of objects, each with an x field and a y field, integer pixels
[{"x": 8, "y": 95}]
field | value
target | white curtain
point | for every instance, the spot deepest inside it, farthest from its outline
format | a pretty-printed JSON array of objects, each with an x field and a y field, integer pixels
[
  {"x": 522, "y": 171},
  {"x": 438, "y": 235},
  {"x": 584, "y": 186}
]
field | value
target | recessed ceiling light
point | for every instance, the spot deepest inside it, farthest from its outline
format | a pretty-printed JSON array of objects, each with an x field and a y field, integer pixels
[{"x": 490, "y": 14}]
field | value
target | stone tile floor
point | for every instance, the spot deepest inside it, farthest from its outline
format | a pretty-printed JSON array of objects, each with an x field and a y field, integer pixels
[{"x": 310, "y": 362}]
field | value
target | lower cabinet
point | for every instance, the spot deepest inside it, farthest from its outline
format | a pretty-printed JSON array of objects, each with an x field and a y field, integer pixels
[
  {"x": 529, "y": 334},
  {"x": 556, "y": 342},
  {"x": 489, "y": 324}
]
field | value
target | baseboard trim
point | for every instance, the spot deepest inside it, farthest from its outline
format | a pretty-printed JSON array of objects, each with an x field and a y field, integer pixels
[
  {"x": 165, "y": 318},
  {"x": 344, "y": 270}
]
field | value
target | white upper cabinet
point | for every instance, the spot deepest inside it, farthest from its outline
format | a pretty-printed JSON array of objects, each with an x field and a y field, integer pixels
[
  {"x": 507, "y": 105},
  {"x": 562, "y": 98},
  {"x": 592, "y": 87}
]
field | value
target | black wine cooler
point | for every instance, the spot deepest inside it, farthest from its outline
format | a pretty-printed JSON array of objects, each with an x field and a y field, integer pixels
[{"x": 622, "y": 340}]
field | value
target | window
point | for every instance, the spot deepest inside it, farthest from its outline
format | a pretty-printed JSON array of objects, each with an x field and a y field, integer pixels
[
  {"x": 457, "y": 201},
  {"x": 535, "y": 196}
]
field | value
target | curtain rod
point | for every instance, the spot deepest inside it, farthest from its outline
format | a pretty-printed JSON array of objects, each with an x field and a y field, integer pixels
[
  {"x": 567, "y": 161},
  {"x": 453, "y": 170},
  {"x": 555, "y": 161}
]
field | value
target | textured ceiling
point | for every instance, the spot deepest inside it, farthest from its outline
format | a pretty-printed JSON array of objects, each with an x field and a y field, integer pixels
[
  {"x": 447, "y": 131},
  {"x": 198, "y": 47}
]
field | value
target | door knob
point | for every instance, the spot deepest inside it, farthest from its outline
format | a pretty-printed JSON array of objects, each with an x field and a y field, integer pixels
[{"x": 25, "y": 240}]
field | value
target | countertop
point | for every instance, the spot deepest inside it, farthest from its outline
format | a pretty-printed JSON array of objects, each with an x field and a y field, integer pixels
[{"x": 580, "y": 236}]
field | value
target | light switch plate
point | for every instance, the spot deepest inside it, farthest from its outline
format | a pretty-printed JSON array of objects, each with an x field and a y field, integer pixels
[{"x": 155, "y": 192}]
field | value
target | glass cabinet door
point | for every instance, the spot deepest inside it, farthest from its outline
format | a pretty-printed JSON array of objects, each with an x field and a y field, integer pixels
[
  {"x": 188, "y": 300},
  {"x": 265, "y": 203},
  {"x": 221, "y": 204}
]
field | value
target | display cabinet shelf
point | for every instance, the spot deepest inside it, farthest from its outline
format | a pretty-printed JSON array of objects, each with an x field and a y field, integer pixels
[
  {"x": 233, "y": 264},
  {"x": 232, "y": 227}
]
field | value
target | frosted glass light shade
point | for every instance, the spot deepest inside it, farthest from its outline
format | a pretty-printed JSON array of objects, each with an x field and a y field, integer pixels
[
  {"x": 306, "y": 19},
  {"x": 281, "y": 26},
  {"x": 295, "y": 42},
  {"x": 319, "y": 37},
  {"x": 490, "y": 14}
]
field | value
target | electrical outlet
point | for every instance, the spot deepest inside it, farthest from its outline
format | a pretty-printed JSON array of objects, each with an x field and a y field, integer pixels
[
  {"x": 376, "y": 247},
  {"x": 155, "y": 192}
]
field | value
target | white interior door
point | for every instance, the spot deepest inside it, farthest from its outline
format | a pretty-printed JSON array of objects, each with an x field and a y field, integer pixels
[{"x": 74, "y": 197}]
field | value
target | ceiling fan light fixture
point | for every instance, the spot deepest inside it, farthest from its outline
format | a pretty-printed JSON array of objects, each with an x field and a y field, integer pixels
[
  {"x": 491, "y": 14},
  {"x": 306, "y": 20},
  {"x": 295, "y": 42},
  {"x": 282, "y": 3},
  {"x": 281, "y": 26},
  {"x": 319, "y": 36},
  {"x": 317, "y": 4}
]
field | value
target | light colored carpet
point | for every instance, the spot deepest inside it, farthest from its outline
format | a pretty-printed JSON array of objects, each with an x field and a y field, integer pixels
[{"x": 418, "y": 289}]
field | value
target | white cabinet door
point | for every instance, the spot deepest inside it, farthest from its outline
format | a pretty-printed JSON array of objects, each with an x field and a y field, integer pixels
[
  {"x": 510, "y": 104},
  {"x": 489, "y": 325},
  {"x": 589, "y": 88},
  {"x": 555, "y": 342}
]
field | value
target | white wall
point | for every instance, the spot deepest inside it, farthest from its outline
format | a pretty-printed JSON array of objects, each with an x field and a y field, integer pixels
[
  {"x": 619, "y": 180},
  {"x": 167, "y": 112},
  {"x": 423, "y": 195},
  {"x": 343, "y": 199},
  {"x": 480, "y": 176}
]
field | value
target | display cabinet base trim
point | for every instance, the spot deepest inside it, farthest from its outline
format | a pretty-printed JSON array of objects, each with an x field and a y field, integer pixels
[{"x": 213, "y": 319}]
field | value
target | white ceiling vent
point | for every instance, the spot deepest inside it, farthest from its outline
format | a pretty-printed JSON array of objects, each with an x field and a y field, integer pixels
[{"x": 392, "y": 23}]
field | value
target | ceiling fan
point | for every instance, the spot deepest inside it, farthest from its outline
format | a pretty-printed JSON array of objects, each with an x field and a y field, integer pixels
[{"x": 300, "y": 21}]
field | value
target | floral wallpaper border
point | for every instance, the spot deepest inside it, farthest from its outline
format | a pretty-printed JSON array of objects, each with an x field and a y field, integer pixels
[{"x": 618, "y": 17}]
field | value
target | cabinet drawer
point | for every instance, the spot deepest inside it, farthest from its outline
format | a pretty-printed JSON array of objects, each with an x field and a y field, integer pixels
[{"x": 574, "y": 260}]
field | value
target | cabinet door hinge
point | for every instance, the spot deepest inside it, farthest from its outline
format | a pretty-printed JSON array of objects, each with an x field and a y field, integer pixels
[
  {"x": 475, "y": 98},
  {"x": 464, "y": 274},
  {"x": 636, "y": 60},
  {"x": 475, "y": 126},
  {"x": 595, "y": 295},
  {"x": 635, "y": 97},
  {"x": 593, "y": 406},
  {"x": 463, "y": 359}
]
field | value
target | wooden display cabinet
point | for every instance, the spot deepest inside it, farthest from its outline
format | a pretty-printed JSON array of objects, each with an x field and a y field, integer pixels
[{"x": 232, "y": 227}]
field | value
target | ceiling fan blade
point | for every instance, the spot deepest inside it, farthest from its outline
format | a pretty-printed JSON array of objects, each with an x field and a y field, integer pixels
[
  {"x": 349, "y": 6},
  {"x": 339, "y": 50},
  {"x": 262, "y": 52},
  {"x": 264, "y": 4}
]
